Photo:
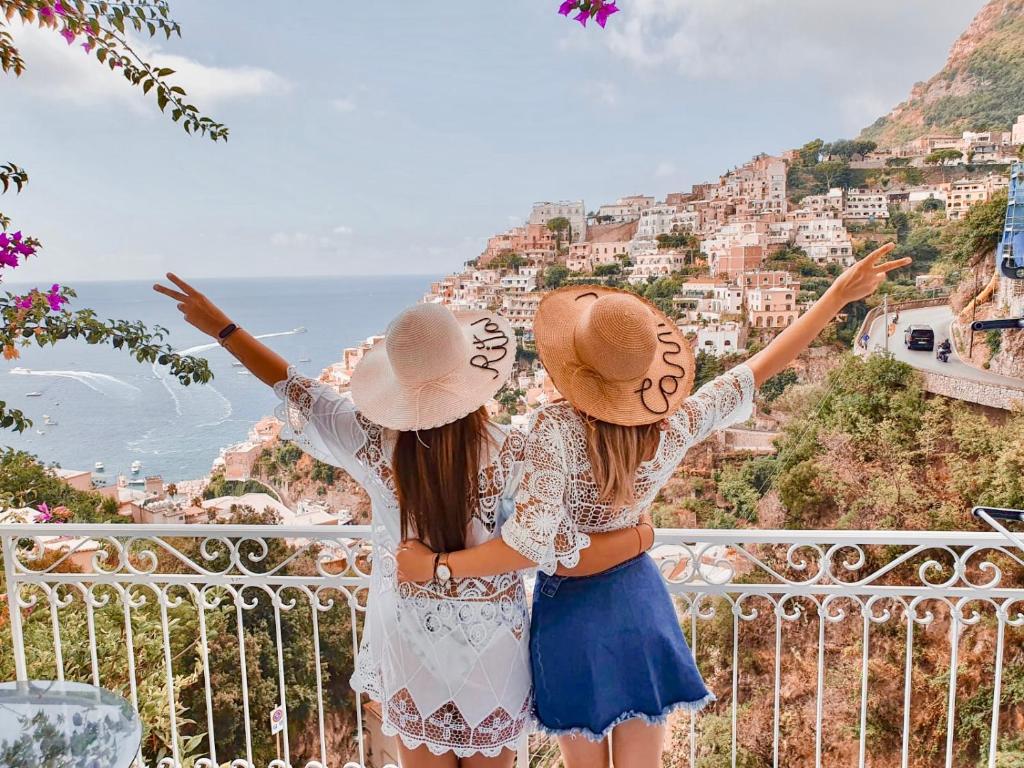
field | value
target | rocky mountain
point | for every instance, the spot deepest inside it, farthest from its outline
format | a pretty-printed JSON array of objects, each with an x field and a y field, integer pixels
[{"x": 981, "y": 87}]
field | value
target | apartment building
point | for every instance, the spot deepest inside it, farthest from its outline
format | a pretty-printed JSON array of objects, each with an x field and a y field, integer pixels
[
  {"x": 967, "y": 192},
  {"x": 533, "y": 238},
  {"x": 772, "y": 307},
  {"x": 1017, "y": 132},
  {"x": 520, "y": 308},
  {"x": 720, "y": 339},
  {"x": 573, "y": 210},
  {"x": 649, "y": 266},
  {"x": 624, "y": 209}
]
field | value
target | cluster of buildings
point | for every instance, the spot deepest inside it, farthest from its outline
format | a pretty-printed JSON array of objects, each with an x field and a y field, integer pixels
[
  {"x": 727, "y": 229},
  {"x": 975, "y": 147}
]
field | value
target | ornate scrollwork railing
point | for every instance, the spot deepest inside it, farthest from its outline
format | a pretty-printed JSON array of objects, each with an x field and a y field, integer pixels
[{"x": 200, "y": 627}]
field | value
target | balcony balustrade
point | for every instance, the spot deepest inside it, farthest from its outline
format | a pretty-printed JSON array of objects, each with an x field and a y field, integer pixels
[{"x": 204, "y": 628}]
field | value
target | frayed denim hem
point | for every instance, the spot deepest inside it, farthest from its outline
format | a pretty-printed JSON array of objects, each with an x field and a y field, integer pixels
[{"x": 589, "y": 735}]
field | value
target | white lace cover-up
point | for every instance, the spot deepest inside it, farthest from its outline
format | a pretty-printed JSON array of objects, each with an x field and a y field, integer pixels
[
  {"x": 449, "y": 665},
  {"x": 557, "y": 503}
]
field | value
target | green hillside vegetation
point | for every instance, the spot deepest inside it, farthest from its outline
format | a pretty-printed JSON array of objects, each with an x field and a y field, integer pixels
[
  {"x": 24, "y": 482},
  {"x": 992, "y": 76}
]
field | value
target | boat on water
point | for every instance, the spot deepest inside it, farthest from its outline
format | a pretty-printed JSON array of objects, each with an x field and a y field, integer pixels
[
  {"x": 136, "y": 467},
  {"x": 305, "y": 360},
  {"x": 300, "y": 329},
  {"x": 244, "y": 373},
  {"x": 33, "y": 394},
  {"x": 98, "y": 466},
  {"x": 40, "y": 432},
  {"x": 48, "y": 421}
]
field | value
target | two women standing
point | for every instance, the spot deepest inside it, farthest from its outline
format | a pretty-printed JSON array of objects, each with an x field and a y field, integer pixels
[{"x": 462, "y": 506}]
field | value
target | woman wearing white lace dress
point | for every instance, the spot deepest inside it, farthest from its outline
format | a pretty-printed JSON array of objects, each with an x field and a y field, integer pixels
[
  {"x": 448, "y": 660},
  {"x": 609, "y": 659}
]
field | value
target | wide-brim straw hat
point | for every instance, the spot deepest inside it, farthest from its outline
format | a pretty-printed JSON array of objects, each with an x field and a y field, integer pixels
[
  {"x": 613, "y": 355},
  {"x": 433, "y": 367}
]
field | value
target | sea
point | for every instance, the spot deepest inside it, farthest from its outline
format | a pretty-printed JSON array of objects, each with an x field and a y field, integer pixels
[{"x": 97, "y": 404}]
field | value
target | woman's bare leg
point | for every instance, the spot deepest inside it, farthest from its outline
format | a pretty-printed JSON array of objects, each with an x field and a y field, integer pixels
[
  {"x": 636, "y": 744},
  {"x": 421, "y": 757},
  {"x": 579, "y": 752},
  {"x": 504, "y": 760}
]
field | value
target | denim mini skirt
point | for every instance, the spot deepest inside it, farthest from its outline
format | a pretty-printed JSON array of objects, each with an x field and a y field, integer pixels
[{"x": 608, "y": 648}]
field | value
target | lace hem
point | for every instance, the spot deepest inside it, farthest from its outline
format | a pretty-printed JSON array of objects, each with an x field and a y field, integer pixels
[
  {"x": 547, "y": 558},
  {"x": 659, "y": 719},
  {"x": 526, "y": 723}
]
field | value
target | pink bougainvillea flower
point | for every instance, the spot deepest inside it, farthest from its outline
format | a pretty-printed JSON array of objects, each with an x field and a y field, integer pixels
[
  {"x": 606, "y": 10},
  {"x": 46, "y": 12},
  {"x": 567, "y": 7},
  {"x": 88, "y": 45},
  {"x": 54, "y": 298},
  {"x": 582, "y": 17},
  {"x": 59, "y": 8},
  {"x": 25, "y": 302},
  {"x": 44, "y": 515},
  {"x": 68, "y": 35}
]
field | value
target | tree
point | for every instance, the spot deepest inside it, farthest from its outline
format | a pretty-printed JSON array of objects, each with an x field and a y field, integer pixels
[
  {"x": 560, "y": 226},
  {"x": 833, "y": 173},
  {"x": 606, "y": 270},
  {"x": 42, "y": 316},
  {"x": 810, "y": 153},
  {"x": 848, "y": 149},
  {"x": 943, "y": 156},
  {"x": 978, "y": 232},
  {"x": 554, "y": 276},
  {"x": 507, "y": 260},
  {"x": 776, "y": 385}
]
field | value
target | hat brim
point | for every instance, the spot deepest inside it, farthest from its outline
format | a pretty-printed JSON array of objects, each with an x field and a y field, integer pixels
[
  {"x": 384, "y": 400},
  {"x": 649, "y": 398}
]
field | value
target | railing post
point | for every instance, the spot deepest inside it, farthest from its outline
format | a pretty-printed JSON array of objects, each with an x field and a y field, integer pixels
[
  {"x": 17, "y": 638},
  {"x": 523, "y": 754}
]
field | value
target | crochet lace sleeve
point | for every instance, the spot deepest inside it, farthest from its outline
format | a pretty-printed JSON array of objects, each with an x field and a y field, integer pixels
[
  {"x": 321, "y": 421},
  {"x": 722, "y": 402},
  {"x": 541, "y": 528}
]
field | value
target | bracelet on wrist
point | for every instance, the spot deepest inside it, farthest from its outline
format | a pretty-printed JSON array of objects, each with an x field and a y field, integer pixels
[{"x": 226, "y": 332}]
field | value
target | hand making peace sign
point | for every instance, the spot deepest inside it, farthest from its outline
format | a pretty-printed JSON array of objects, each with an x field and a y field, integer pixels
[{"x": 197, "y": 309}]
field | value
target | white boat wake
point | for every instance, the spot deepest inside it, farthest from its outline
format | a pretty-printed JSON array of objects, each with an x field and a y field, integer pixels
[
  {"x": 214, "y": 345},
  {"x": 103, "y": 383}
]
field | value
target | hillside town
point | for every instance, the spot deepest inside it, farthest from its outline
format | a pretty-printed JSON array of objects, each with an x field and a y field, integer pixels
[{"x": 732, "y": 261}]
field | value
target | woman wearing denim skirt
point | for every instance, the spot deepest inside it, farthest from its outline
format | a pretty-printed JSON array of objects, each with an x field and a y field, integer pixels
[{"x": 608, "y": 656}]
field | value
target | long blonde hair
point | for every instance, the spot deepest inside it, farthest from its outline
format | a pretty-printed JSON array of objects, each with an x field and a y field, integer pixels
[{"x": 616, "y": 452}]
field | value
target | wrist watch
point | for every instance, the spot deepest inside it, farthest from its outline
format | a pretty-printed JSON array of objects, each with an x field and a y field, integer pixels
[{"x": 441, "y": 570}]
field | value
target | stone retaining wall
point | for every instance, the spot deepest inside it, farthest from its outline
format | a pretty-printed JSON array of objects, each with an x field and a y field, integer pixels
[{"x": 992, "y": 395}]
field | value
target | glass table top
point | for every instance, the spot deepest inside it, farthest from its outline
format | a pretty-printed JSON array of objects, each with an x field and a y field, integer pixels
[{"x": 48, "y": 724}]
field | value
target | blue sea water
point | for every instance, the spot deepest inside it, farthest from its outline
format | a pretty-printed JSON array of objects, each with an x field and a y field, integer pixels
[{"x": 109, "y": 408}]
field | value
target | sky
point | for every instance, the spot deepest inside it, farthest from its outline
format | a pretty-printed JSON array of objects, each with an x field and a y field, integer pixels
[{"x": 395, "y": 137}]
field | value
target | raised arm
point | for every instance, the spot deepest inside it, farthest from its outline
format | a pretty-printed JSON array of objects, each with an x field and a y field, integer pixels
[
  {"x": 263, "y": 362},
  {"x": 858, "y": 281}
]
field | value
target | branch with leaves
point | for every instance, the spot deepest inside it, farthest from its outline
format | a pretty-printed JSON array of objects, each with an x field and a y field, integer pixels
[{"x": 102, "y": 30}]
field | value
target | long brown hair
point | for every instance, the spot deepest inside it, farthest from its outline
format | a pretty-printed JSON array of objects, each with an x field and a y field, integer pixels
[
  {"x": 616, "y": 452},
  {"x": 436, "y": 477}
]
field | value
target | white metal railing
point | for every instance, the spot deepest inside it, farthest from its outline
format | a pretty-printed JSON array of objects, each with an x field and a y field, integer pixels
[{"x": 201, "y": 626}]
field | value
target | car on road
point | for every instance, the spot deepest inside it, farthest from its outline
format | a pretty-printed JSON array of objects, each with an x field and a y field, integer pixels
[{"x": 919, "y": 337}]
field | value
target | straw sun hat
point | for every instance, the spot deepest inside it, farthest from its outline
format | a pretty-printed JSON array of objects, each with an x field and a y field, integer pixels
[
  {"x": 434, "y": 367},
  {"x": 613, "y": 355}
]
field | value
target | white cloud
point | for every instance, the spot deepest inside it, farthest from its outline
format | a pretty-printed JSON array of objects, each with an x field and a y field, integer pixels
[
  {"x": 55, "y": 70},
  {"x": 603, "y": 93},
  {"x": 343, "y": 104},
  {"x": 665, "y": 168},
  {"x": 342, "y": 229},
  {"x": 753, "y": 39}
]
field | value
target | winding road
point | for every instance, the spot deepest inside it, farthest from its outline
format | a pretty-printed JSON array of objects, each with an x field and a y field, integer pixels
[{"x": 939, "y": 318}]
